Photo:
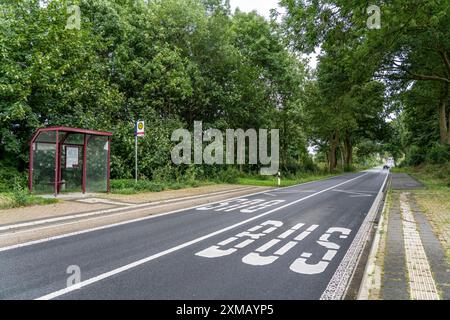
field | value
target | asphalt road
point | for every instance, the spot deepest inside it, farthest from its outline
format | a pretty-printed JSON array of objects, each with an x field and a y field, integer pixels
[{"x": 291, "y": 243}]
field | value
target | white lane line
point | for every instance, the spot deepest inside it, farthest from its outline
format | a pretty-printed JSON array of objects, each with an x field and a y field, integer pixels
[
  {"x": 338, "y": 285},
  {"x": 26, "y": 244},
  {"x": 421, "y": 282},
  {"x": 71, "y": 234},
  {"x": 354, "y": 194},
  {"x": 181, "y": 246},
  {"x": 106, "y": 201},
  {"x": 147, "y": 205},
  {"x": 299, "y": 191}
]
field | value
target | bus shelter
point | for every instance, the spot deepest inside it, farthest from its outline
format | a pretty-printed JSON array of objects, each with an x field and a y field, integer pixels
[{"x": 64, "y": 159}]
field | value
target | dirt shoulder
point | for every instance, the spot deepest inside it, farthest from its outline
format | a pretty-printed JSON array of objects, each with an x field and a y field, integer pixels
[
  {"x": 20, "y": 228},
  {"x": 74, "y": 204}
]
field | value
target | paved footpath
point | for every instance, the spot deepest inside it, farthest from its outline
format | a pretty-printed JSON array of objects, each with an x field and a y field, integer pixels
[
  {"x": 415, "y": 264},
  {"x": 301, "y": 242}
]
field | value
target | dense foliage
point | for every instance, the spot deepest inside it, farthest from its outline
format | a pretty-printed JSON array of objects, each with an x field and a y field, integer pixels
[
  {"x": 399, "y": 69},
  {"x": 171, "y": 62}
]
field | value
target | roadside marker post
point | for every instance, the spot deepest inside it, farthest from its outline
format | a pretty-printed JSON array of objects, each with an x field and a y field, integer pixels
[
  {"x": 139, "y": 131},
  {"x": 279, "y": 179}
]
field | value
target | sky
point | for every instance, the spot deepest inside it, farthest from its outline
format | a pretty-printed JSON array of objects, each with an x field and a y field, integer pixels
[{"x": 262, "y": 6}]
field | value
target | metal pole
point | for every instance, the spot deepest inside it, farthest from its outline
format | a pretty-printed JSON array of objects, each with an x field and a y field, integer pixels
[
  {"x": 57, "y": 162},
  {"x": 108, "y": 167},
  {"x": 136, "y": 157},
  {"x": 30, "y": 168},
  {"x": 84, "y": 177}
]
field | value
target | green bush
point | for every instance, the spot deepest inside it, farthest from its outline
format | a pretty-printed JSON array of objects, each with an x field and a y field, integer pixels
[
  {"x": 19, "y": 195},
  {"x": 10, "y": 176},
  {"x": 230, "y": 175},
  {"x": 176, "y": 186},
  {"x": 164, "y": 174},
  {"x": 414, "y": 156},
  {"x": 129, "y": 186},
  {"x": 438, "y": 154}
]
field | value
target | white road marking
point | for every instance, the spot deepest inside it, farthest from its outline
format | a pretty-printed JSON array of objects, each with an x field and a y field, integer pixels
[
  {"x": 129, "y": 266},
  {"x": 338, "y": 284},
  {"x": 291, "y": 230},
  {"x": 131, "y": 208},
  {"x": 262, "y": 206},
  {"x": 100, "y": 200},
  {"x": 269, "y": 194},
  {"x": 227, "y": 241},
  {"x": 243, "y": 205},
  {"x": 306, "y": 233},
  {"x": 301, "y": 264},
  {"x": 290, "y": 192},
  {"x": 216, "y": 251},
  {"x": 268, "y": 245},
  {"x": 29, "y": 243},
  {"x": 288, "y": 246},
  {"x": 244, "y": 243},
  {"x": 354, "y": 194}
]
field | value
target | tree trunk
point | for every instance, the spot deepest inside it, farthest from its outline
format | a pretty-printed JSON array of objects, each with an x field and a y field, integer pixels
[
  {"x": 444, "y": 126},
  {"x": 448, "y": 126},
  {"x": 334, "y": 142},
  {"x": 332, "y": 157},
  {"x": 348, "y": 149}
]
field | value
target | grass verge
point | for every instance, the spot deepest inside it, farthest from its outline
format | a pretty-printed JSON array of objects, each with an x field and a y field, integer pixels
[
  {"x": 269, "y": 181},
  {"x": 129, "y": 186},
  {"x": 16, "y": 200}
]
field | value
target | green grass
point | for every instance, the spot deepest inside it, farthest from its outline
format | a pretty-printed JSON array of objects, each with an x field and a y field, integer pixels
[
  {"x": 22, "y": 199},
  {"x": 129, "y": 186},
  {"x": 285, "y": 182}
]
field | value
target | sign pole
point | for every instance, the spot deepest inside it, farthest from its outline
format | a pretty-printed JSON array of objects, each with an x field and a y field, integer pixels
[
  {"x": 139, "y": 131},
  {"x": 136, "y": 157}
]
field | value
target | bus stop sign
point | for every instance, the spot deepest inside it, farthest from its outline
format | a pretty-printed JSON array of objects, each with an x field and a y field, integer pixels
[{"x": 139, "y": 129}]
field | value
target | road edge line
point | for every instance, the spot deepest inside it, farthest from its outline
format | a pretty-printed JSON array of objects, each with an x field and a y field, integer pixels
[
  {"x": 145, "y": 205},
  {"x": 70, "y": 234},
  {"x": 366, "y": 286},
  {"x": 134, "y": 264},
  {"x": 338, "y": 285}
]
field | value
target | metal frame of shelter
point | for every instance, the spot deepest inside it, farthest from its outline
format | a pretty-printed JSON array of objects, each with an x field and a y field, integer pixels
[{"x": 57, "y": 137}]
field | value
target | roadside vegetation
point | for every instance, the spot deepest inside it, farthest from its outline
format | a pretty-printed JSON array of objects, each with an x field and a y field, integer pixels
[
  {"x": 20, "y": 197},
  {"x": 375, "y": 93},
  {"x": 129, "y": 186}
]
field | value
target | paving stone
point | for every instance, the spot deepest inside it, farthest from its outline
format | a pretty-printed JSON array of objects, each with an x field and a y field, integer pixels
[
  {"x": 403, "y": 181},
  {"x": 435, "y": 252},
  {"x": 394, "y": 284}
]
